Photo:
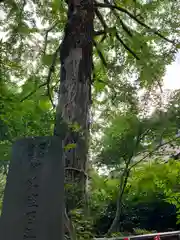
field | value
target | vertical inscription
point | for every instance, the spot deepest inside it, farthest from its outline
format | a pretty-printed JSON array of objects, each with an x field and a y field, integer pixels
[{"x": 35, "y": 154}]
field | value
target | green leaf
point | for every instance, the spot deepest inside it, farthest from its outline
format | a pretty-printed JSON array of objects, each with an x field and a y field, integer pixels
[
  {"x": 47, "y": 59},
  {"x": 178, "y": 221},
  {"x": 75, "y": 127},
  {"x": 24, "y": 29},
  {"x": 44, "y": 104},
  {"x": 178, "y": 45},
  {"x": 99, "y": 86},
  {"x": 56, "y": 5},
  {"x": 70, "y": 146}
]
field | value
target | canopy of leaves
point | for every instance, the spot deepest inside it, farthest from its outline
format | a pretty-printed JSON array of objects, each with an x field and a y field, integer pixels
[
  {"x": 132, "y": 40},
  {"x": 130, "y": 135}
]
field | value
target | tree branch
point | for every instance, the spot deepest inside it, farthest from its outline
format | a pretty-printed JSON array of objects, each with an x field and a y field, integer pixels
[
  {"x": 117, "y": 36},
  {"x": 100, "y": 54},
  {"x": 47, "y": 83},
  {"x": 125, "y": 28},
  {"x": 46, "y": 36},
  {"x": 107, "y": 5},
  {"x": 101, "y": 19},
  {"x": 34, "y": 91},
  {"x": 101, "y": 32},
  {"x": 93, "y": 72},
  {"x": 151, "y": 152},
  {"x": 126, "y": 47}
]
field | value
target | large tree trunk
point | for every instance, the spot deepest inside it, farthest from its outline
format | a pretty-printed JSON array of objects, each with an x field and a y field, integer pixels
[{"x": 75, "y": 92}]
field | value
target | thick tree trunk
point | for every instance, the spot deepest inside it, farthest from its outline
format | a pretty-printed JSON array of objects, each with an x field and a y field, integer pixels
[{"x": 75, "y": 91}]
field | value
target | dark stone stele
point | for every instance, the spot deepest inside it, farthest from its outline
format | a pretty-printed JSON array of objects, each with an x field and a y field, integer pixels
[{"x": 34, "y": 193}]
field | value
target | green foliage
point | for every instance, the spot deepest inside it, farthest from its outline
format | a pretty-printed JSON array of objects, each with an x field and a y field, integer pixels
[
  {"x": 141, "y": 231},
  {"x": 120, "y": 139},
  {"x": 140, "y": 41},
  {"x": 145, "y": 178},
  {"x": 145, "y": 204},
  {"x": 147, "y": 41},
  {"x": 118, "y": 234},
  {"x": 171, "y": 186},
  {"x": 82, "y": 225},
  {"x": 102, "y": 191},
  {"x": 129, "y": 135},
  {"x": 47, "y": 60}
]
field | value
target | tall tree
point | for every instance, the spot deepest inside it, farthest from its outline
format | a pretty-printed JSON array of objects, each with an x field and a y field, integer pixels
[
  {"x": 74, "y": 97},
  {"x": 131, "y": 39}
]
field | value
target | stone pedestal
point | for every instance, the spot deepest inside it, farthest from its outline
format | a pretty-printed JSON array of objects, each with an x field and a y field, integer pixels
[{"x": 33, "y": 203}]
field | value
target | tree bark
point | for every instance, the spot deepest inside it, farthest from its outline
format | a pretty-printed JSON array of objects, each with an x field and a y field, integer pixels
[{"x": 75, "y": 91}]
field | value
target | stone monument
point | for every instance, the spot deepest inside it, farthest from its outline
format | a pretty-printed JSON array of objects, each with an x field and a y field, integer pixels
[{"x": 33, "y": 206}]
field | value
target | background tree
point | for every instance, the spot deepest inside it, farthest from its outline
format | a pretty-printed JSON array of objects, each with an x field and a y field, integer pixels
[
  {"x": 145, "y": 204},
  {"x": 132, "y": 139}
]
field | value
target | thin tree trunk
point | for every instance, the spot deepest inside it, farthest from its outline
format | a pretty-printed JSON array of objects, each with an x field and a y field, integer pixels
[
  {"x": 75, "y": 91},
  {"x": 122, "y": 186}
]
